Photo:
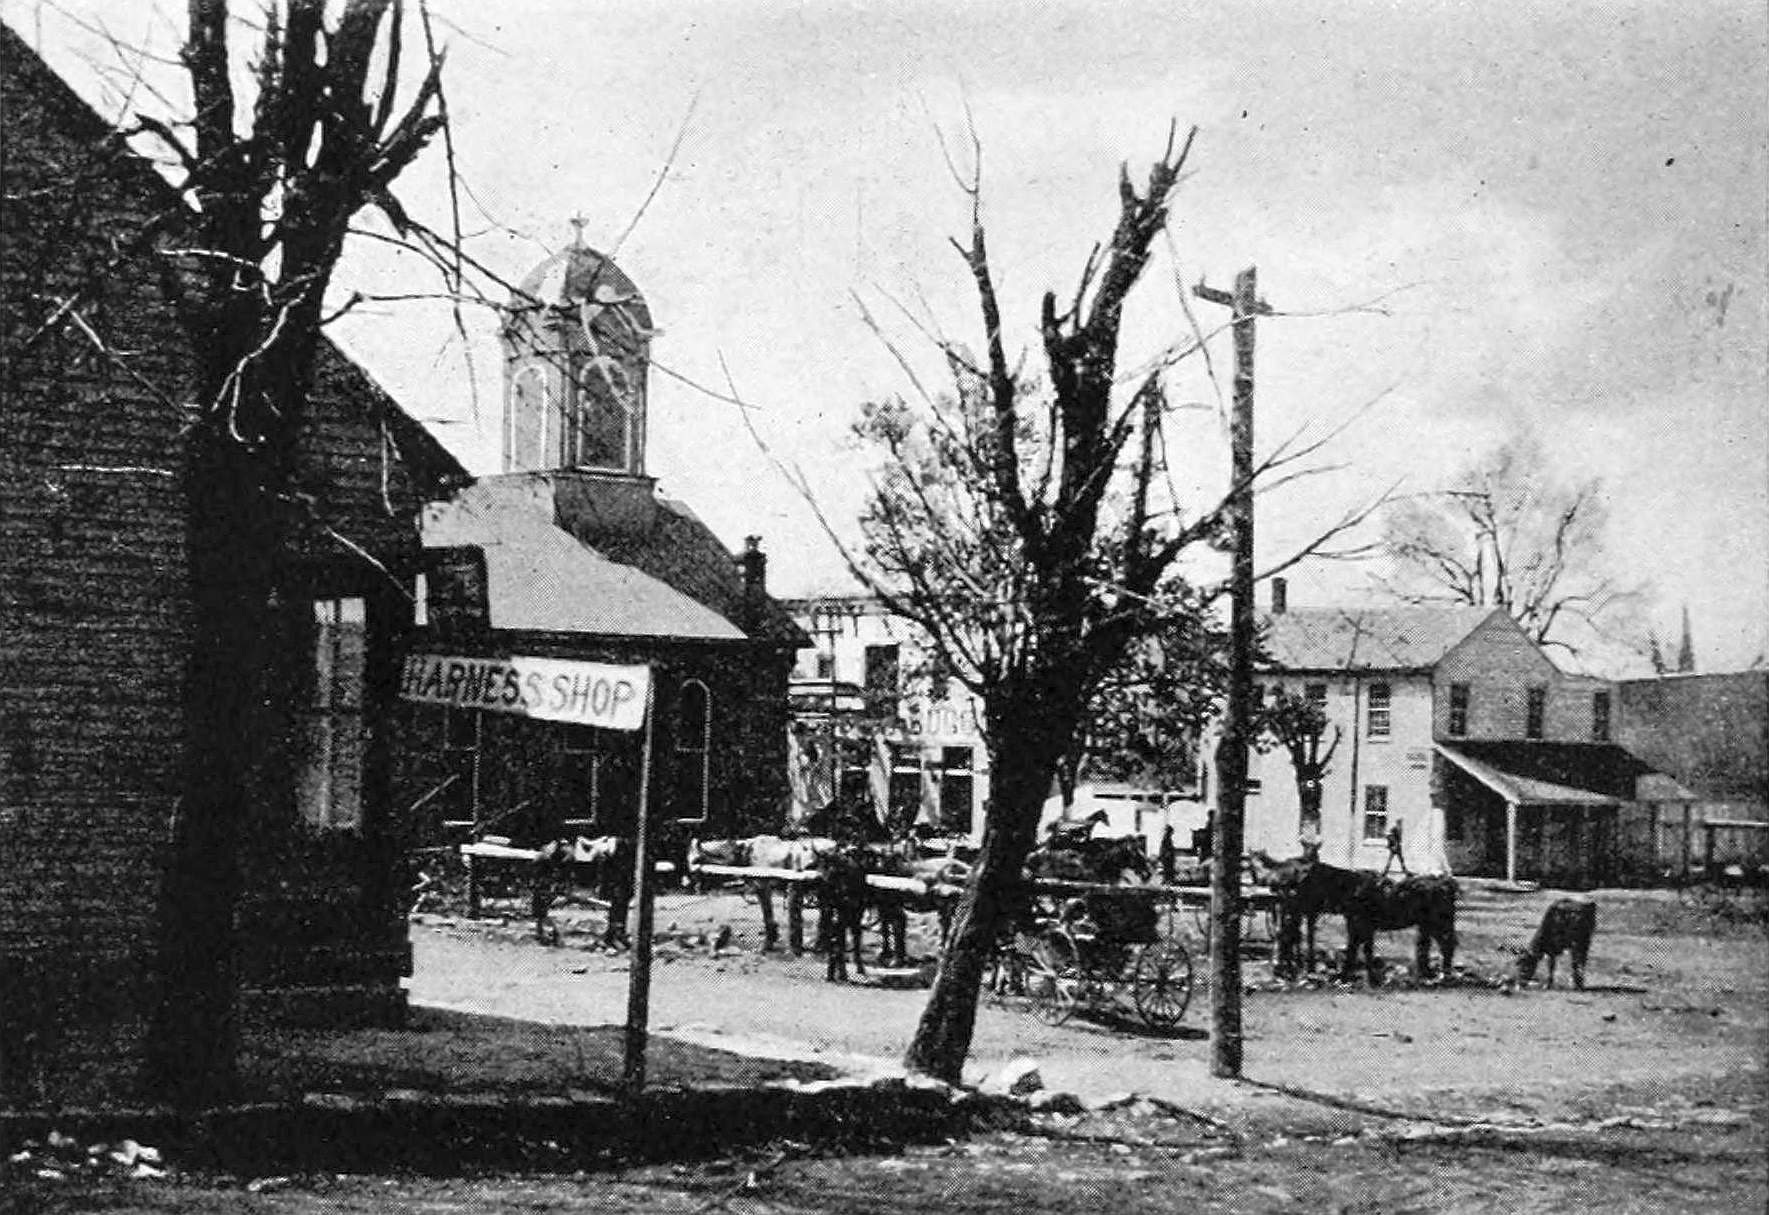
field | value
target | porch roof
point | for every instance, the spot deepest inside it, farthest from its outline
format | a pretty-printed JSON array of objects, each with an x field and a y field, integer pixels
[{"x": 1551, "y": 774}]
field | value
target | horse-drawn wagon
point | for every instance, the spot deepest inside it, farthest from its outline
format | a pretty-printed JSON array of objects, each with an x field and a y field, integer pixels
[{"x": 1095, "y": 946}]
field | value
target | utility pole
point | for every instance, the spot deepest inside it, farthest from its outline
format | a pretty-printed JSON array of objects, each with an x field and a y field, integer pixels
[{"x": 1231, "y": 756}]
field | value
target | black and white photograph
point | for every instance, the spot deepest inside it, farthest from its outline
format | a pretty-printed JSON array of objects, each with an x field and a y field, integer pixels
[{"x": 766, "y": 606}]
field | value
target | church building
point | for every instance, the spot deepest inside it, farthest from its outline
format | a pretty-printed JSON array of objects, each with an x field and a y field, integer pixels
[{"x": 572, "y": 556}]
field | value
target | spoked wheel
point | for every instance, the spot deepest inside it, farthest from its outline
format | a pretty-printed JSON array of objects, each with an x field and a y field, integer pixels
[
  {"x": 1052, "y": 979},
  {"x": 1161, "y": 983}
]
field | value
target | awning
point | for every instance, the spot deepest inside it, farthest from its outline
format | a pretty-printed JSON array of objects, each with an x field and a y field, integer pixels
[{"x": 1521, "y": 790}]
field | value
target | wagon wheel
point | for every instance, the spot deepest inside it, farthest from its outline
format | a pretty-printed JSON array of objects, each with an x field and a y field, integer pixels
[
  {"x": 1161, "y": 983},
  {"x": 1051, "y": 978}
]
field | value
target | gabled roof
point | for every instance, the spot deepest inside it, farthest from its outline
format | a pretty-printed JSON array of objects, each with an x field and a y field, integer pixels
[
  {"x": 1554, "y": 773},
  {"x": 540, "y": 579},
  {"x": 575, "y": 552},
  {"x": 1367, "y": 639},
  {"x": 681, "y": 550}
]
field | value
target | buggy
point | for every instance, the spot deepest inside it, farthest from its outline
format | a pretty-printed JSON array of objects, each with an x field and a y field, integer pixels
[{"x": 1077, "y": 946}]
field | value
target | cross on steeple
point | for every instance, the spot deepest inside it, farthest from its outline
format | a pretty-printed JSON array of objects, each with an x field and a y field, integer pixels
[{"x": 577, "y": 223}]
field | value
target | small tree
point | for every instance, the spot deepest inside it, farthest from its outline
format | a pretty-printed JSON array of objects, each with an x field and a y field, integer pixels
[
  {"x": 1507, "y": 532},
  {"x": 1299, "y": 725}
]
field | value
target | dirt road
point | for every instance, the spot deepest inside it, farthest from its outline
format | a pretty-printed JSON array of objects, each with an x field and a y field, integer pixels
[
  {"x": 1645, "y": 1093},
  {"x": 1675, "y": 1001}
]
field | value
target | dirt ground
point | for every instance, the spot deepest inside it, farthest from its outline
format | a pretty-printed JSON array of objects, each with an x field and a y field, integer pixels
[
  {"x": 1649, "y": 1091},
  {"x": 1677, "y": 995}
]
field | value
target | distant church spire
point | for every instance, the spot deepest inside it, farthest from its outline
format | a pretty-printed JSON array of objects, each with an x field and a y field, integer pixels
[{"x": 1686, "y": 648}]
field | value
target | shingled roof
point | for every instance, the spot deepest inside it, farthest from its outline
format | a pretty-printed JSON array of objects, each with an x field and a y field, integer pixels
[
  {"x": 577, "y": 552},
  {"x": 1367, "y": 639},
  {"x": 1540, "y": 773}
]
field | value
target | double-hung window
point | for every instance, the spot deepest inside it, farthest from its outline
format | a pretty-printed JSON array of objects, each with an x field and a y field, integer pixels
[
  {"x": 1381, "y": 707},
  {"x": 329, "y": 717}
]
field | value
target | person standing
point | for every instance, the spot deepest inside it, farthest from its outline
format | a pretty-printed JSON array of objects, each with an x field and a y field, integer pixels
[{"x": 1394, "y": 852}]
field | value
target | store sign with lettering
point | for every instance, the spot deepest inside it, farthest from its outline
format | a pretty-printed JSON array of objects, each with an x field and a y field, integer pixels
[{"x": 551, "y": 689}]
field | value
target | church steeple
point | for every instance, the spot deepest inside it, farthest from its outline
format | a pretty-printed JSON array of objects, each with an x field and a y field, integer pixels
[{"x": 577, "y": 347}]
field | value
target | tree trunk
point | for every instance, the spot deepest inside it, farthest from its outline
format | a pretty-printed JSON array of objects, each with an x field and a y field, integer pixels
[
  {"x": 1023, "y": 773},
  {"x": 231, "y": 564}
]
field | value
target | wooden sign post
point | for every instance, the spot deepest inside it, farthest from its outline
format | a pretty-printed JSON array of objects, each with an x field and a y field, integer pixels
[{"x": 639, "y": 981}]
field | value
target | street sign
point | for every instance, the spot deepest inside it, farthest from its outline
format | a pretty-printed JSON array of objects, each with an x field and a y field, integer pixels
[{"x": 551, "y": 689}]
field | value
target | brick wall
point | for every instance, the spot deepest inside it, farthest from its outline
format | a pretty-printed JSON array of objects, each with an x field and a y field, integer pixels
[{"x": 95, "y": 632}]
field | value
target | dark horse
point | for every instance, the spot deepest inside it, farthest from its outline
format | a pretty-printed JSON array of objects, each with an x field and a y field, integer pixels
[
  {"x": 1103, "y": 861},
  {"x": 1370, "y": 903},
  {"x": 842, "y": 893},
  {"x": 605, "y": 863}
]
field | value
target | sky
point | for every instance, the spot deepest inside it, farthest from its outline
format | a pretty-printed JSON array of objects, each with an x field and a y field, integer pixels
[{"x": 1471, "y": 220}]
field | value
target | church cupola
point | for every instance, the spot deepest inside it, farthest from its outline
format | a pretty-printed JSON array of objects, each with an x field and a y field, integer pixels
[{"x": 577, "y": 345}]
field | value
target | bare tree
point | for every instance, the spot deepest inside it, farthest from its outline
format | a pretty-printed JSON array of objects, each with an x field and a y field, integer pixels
[
  {"x": 1029, "y": 525},
  {"x": 1507, "y": 532}
]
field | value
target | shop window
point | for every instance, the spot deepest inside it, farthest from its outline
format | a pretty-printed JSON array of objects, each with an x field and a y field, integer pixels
[
  {"x": 1380, "y": 710},
  {"x": 883, "y": 668},
  {"x": 1600, "y": 717},
  {"x": 460, "y": 767},
  {"x": 1535, "y": 711},
  {"x": 1375, "y": 812},
  {"x": 957, "y": 789},
  {"x": 330, "y": 724},
  {"x": 905, "y": 786},
  {"x": 694, "y": 721}
]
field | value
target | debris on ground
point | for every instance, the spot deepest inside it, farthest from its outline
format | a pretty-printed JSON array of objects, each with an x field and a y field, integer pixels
[{"x": 59, "y": 1156}]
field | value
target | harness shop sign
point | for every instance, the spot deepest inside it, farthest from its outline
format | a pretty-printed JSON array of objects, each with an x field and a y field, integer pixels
[{"x": 550, "y": 689}]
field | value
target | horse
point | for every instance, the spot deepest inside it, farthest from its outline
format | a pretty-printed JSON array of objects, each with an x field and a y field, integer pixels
[
  {"x": 842, "y": 893},
  {"x": 1073, "y": 833},
  {"x": 1568, "y": 926},
  {"x": 604, "y": 862},
  {"x": 939, "y": 875},
  {"x": 1107, "y": 862},
  {"x": 1369, "y": 902},
  {"x": 799, "y": 855}
]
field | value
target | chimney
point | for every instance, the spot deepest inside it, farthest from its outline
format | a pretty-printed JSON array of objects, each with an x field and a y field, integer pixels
[
  {"x": 755, "y": 566},
  {"x": 1280, "y": 596}
]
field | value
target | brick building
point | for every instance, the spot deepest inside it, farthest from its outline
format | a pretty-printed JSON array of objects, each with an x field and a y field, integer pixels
[
  {"x": 573, "y": 555},
  {"x": 96, "y": 637}
]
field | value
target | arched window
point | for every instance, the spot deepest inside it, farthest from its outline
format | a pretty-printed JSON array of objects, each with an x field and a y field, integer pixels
[
  {"x": 526, "y": 423},
  {"x": 600, "y": 434},
  {"x": 694, "y": 731}
]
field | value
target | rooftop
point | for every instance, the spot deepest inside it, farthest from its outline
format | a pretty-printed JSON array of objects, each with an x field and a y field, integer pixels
[{"x": 1367, "y": 638}]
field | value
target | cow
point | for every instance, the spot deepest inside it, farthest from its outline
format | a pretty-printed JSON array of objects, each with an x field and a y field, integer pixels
[{"x": 1567, "y": 927}]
